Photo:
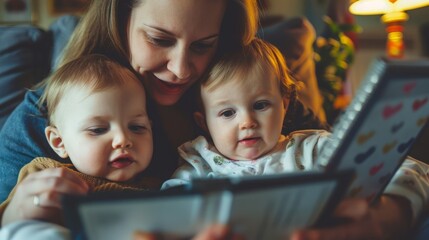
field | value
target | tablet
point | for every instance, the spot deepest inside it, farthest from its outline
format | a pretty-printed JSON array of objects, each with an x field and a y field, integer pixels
[
  {"x": 378, "y": 128},
  {"x": 259, "y": 207}
]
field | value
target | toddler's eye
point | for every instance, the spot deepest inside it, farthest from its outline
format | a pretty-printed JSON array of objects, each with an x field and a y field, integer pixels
[
  {"x": 261, "y": 105},
  {"x": 227, "y": 113},
  {"x": 97, "y": 130},
  {"x": 137, "y": 128}
]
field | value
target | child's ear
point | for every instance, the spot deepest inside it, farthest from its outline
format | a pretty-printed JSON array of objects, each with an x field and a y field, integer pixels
[
  {"x": 55, "y": 140},
  {"x": 201, "y": 121}
]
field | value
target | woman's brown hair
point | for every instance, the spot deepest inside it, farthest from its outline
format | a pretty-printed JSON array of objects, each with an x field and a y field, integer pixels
[{"x": 103, "y": 29}]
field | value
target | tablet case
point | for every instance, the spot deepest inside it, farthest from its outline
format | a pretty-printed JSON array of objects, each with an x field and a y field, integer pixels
[
  {"x": 378, "y": 128},
  {"x": 259, "y": 207}
]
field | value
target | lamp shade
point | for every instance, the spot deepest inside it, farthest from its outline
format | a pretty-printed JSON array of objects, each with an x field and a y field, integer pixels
[{"x": 374, "y": 7}]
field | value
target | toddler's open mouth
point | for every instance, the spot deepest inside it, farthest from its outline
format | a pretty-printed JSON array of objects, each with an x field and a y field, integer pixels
[
  {"x": 249, "y": 141},
  {"x": 121, "y": 162}
]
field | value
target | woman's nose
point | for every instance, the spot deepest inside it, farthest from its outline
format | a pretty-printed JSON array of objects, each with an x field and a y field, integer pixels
[
  {"x": 180, "y": 63},
  {"x": 121, "y": 140}
]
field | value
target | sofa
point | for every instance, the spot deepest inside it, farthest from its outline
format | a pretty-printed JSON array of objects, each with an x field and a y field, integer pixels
[{"x": 28, "y": 54}]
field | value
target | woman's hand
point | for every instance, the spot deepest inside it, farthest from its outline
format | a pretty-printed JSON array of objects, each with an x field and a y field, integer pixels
[
  {"x": 38, "y": 196},
  {"x": 213, "y": 232},
  {"x": 390, "y": 218}
]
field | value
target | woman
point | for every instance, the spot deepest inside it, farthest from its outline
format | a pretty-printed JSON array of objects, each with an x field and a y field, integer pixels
[{"x": 170, "y": 43}]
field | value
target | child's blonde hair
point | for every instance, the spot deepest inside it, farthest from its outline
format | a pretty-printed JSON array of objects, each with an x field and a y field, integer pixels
[
  {"x": 256, "y": 57},
  {"x": 94, "y": 72}
]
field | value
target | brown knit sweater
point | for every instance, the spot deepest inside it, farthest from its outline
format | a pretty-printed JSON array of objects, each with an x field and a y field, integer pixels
[{"x": 97, "y": 184}]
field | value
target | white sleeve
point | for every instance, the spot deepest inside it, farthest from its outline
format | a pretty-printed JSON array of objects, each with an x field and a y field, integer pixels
[
  {"x": 412, "y": 182},
  {"x": 304, "y": 147},
  {"x": 35, "y": 230},
  {"x": 181, "y": 176},
  {"x": 194, "y": 164}
]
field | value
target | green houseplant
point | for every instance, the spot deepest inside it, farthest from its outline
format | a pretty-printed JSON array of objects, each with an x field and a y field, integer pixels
[{"x": 334, "y": 52}]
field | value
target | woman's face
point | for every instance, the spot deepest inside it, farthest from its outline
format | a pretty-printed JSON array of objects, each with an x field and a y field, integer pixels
[{"x": 171, "y": 43}]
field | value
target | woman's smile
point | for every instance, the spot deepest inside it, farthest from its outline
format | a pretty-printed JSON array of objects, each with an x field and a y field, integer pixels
[{"x": 168, "y": 87}]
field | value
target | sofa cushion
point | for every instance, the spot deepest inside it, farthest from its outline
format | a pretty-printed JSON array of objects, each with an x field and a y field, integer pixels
[
  {"x": 61, "y": 31},
  {"x": 24, "y": 61}
]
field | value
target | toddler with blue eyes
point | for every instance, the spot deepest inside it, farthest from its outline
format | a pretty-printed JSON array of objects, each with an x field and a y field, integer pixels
[
  {"x": 241, "y": 107},
  {"x": 242, "y": 104},
  {"x": 98, "y": 126}
]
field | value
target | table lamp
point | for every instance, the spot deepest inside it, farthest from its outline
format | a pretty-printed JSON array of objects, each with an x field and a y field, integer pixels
[{"x": 393, "y": 15}]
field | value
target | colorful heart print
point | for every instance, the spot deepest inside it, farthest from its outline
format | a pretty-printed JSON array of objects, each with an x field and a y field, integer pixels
[
  {"x": 389, "y": 146},
  {"x": 405, "y": 145},
  {"x": 389, "y": 111},
  {"x": 422, "y": 121},
  {"x": 375, "y": 169},
  {"x": 396, "y": 127},
  {"x": 407, "y": 88},
  {"x": 362, "y": 138},
  {"x": 418, "y": 103},
  {"x": 363, "y": 156}
]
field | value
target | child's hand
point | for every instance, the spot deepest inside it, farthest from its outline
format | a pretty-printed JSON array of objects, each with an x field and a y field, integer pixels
[
  {"x": 213, "y": 232},
  {"x": 38, "y": 196},
  {"x": 385, "y": 220}
]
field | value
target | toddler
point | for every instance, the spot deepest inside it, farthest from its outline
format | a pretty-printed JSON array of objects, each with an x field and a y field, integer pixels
[
  {"x": 97, "y": 119},
  {"x": 243, "y": 101}
]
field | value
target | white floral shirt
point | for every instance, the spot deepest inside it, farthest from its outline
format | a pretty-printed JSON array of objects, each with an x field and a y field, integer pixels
[{"x": 296, "y": 152}]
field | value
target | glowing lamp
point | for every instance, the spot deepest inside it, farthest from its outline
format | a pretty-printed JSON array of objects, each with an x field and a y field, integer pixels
[{"x": 393, "y": 15}]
